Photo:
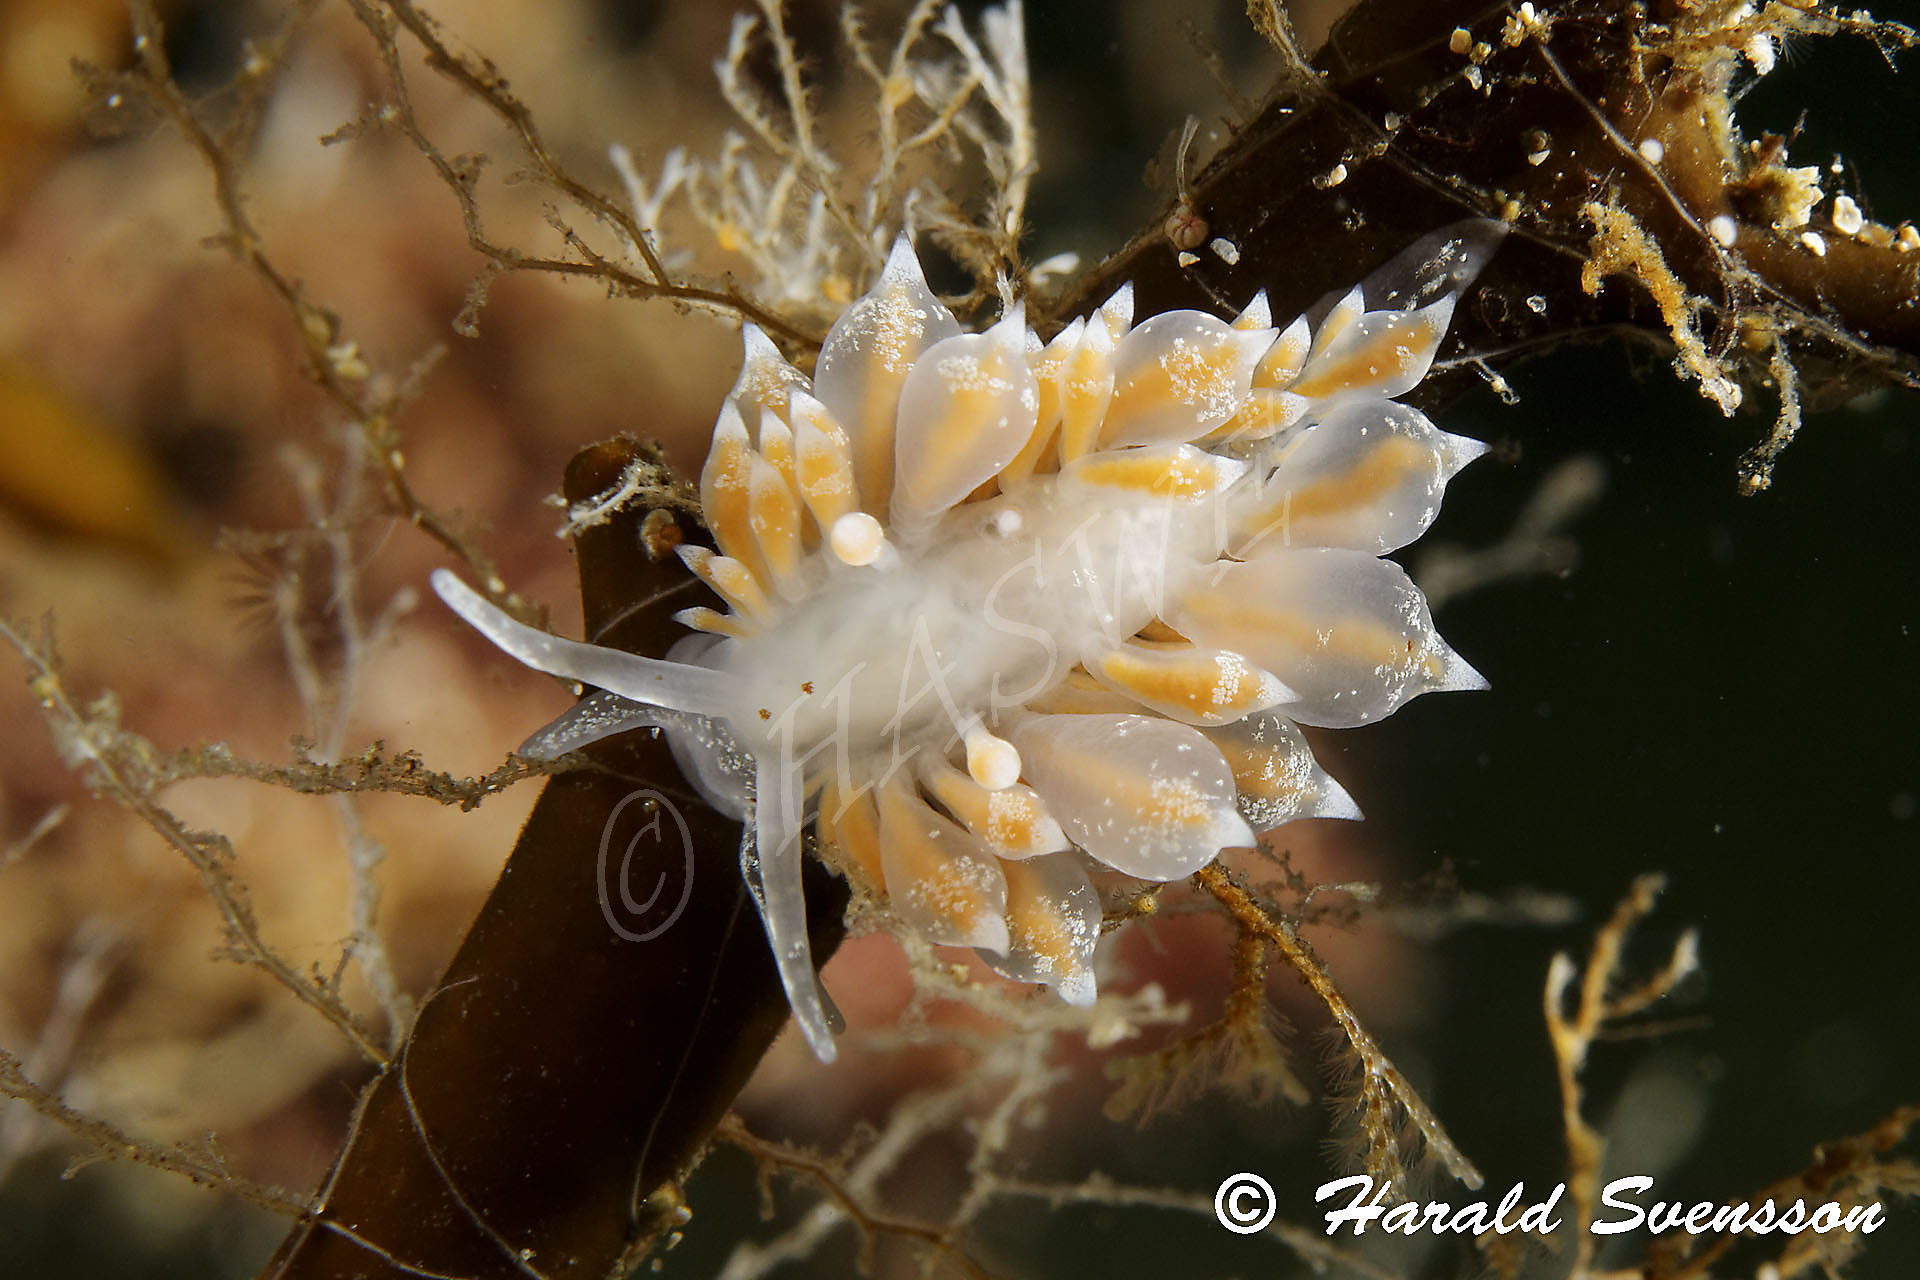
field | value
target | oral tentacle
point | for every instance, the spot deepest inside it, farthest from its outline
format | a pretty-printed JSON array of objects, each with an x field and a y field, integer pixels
[
  {"x": 648, "y": 681},
  {"x": 594, "y": 718},
  {"x": 770, "y": 864}
]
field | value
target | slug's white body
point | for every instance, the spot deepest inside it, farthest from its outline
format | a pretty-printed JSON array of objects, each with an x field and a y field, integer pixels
[
  {"x": 979, "y": 614},
  {"x": 997, "y": 607}
]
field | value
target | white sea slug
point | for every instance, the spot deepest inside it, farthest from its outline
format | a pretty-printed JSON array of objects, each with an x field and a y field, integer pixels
[{"x": 999, "y": 609}]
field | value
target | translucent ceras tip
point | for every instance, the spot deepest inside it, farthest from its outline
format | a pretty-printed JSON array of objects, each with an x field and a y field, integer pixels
[
  {"x": 1457, "y": 675},
  {"x": 857, "y": 538},
  {"x": 1117, "y": 311},
  {"x": 993, "y": 761},
  {"x": 761, "y": 355},
  {"x": 1336, "y": 802},
  {"x": 1458, "y": 451},
  {"x": 903, "y": 264},
  {"x": 1258, "y": 314}
]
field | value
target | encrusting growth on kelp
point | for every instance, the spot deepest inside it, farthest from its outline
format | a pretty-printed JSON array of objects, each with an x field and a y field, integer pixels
[{"x": 996, "y": 607}]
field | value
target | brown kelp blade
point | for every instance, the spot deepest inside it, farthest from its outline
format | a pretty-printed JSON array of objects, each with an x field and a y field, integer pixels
[{"x": 610, "y": 1000}]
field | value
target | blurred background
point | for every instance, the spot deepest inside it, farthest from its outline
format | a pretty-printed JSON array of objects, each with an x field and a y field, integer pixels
[{"x": 1716, "y": 687}]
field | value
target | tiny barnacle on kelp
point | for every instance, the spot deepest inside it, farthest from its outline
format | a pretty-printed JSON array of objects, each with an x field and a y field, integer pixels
[{"x": 998, "y": 607}]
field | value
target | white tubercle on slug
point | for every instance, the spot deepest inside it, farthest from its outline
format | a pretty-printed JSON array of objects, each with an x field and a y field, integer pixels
[{"x": 1001, "y": 612}]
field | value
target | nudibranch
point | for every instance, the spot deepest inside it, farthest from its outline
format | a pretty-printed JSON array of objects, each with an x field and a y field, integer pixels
[{"x": 999, "y": 610}]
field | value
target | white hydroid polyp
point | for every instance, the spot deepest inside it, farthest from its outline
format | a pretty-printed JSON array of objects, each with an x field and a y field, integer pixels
[{"x": 1000, "y": 614}]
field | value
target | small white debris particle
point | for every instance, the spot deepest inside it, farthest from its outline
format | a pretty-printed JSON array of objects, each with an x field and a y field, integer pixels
[
  {"x": 1760, "y": 53},
  {"x": 1813, "y": 243},
  {"x": 1847, "y": 218},
  {"x": 1060, "y": 264},
  {"x": 1526, "y": 22},
  {"x": 1224, "y": 249},
  {"x": 1539, "y": 145},
  {"x": 1799, "y": 194},
  {"x": 1461, "y": 40},
  {"x": 1652, "y": 150},
  {"x": 1537, "y": 305},
  {"x": 346, "y": 362},
  {"x": 1723, "y": 230},
  {"x": 1474, "y": 77},
  {"x": 1187, "y": 259},
  {"x": 1391, "y": 122},
  {"x": 1333, "y": 177}
]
